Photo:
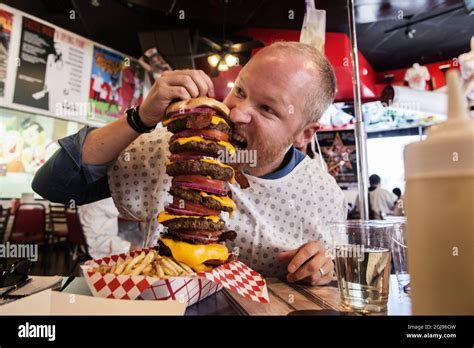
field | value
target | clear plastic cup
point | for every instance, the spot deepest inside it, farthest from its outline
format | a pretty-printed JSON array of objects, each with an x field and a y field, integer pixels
[
  {"x": 400, "y": 252},
  {"x": 362, "y": 252}
]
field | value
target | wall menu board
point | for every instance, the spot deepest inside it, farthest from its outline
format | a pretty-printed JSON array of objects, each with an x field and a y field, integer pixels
[
  {"x": 36, "y": 52},
  {"x": 338, "y": 149},
  {"x": 5, "y": 33},
  {"x": 57, "y": 73}
]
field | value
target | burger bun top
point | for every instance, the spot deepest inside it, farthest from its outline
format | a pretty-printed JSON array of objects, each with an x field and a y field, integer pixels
[{"x": 198, "y": 103}]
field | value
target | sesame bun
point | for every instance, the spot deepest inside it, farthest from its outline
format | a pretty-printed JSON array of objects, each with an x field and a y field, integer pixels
[{"x": 190, "y": 104}]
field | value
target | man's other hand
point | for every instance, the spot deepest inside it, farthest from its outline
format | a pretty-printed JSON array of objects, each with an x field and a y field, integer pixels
[{"x": 308, "y": 264}]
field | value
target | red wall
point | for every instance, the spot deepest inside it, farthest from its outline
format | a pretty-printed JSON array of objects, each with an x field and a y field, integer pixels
[
  {"x": 220, "y": 82},
  {"x": 337, "y": 50}
]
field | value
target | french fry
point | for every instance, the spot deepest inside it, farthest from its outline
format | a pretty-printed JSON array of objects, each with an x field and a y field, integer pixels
[
  {"x": 134, "y": 261},
  {"x": 167, "y": 269},
  {"x": 188, "y": 269},
  {"x": 120, "y": 268},
  {"x": 144, "y": 263},
  {"x": 176, "y": 266},
  {"x": 149, "y": 263},
  {"x": 170, "y": 264},
  {"x": 147, "y": 270},
  {"x": 159, "y": 271}
]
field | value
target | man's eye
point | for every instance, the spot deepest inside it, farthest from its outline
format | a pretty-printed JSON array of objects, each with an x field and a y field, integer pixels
[
  {"x": 239, "y": 91},
  {"x": 267, "y": 109}
]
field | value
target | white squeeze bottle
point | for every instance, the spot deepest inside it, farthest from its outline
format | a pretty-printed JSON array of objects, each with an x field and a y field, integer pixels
[{"x": 439, "y": 205}]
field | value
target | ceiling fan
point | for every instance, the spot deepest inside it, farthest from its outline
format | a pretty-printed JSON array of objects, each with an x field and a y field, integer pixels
[{"x": 225, "y": 53}]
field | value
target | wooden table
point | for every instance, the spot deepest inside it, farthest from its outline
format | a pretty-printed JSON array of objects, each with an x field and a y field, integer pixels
[{"x": 285, "y": 299}]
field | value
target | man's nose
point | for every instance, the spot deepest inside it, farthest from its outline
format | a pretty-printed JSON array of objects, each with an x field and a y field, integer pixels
[{"x": 239, "y": 114}]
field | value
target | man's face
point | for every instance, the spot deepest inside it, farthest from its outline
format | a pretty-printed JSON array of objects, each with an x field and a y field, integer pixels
[{"x": 266, "y": 106}]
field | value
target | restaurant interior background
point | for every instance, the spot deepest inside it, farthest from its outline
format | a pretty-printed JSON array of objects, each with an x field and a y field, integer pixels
[{"x": 408, "y": 45}]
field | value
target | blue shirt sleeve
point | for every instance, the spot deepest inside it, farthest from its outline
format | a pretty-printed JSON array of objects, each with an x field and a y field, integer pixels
[{"x": 65, "y": 179}]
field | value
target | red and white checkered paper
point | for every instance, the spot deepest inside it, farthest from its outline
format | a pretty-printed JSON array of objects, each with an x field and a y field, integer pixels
[{"x": 234, "y": 276}]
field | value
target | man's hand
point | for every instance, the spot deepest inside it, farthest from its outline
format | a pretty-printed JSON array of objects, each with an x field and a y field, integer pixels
[
  {"x": 178, "y": 84},
  {"x": 306, "y": 263}
]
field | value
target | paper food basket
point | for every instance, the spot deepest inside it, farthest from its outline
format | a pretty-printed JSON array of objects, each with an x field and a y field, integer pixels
[{"x": 234, "y": 276}]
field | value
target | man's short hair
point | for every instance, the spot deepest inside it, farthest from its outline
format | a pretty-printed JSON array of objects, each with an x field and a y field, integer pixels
[
  {"x": 374, "y": 180},
  {"x": 323, "y": 89}
]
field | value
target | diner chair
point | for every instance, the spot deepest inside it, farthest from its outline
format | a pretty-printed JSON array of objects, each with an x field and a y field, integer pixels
[
  {"x": 29, "y": 227},
  {"x": 29, "y": 224},
  {"x": 4, "y": 218},
  {"x": 57, "y": 219},
  {"x": 76, "y": 240}
]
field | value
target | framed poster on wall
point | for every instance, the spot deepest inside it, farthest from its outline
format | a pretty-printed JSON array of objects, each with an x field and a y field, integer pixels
[
  {"x": 338, "y": 149},
  {"x": 6, "y": 19}
]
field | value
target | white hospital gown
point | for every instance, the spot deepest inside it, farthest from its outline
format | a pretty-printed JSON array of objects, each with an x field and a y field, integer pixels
[{"x": 271, "y": 215}]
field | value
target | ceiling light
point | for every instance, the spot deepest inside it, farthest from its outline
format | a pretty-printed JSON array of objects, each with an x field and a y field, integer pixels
[
  {"x": 230, "y": 84},
  {"x": 213, "y": 60},
  {"x": 222, "y": 67},
  {"x": 231, "y": 60}
]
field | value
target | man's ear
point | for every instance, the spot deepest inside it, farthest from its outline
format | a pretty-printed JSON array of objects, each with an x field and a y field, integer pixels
[{"x": 305, "y": 136}]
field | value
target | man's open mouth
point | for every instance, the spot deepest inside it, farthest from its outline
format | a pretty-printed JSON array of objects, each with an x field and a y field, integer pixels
[{"x": 239, "y": 141}]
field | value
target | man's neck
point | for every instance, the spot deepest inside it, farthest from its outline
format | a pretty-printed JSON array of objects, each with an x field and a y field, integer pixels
[{"x": 272, "y": 167}]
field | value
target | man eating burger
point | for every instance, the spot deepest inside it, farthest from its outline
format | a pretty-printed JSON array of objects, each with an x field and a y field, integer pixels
[{"x": 282, "y": 219}]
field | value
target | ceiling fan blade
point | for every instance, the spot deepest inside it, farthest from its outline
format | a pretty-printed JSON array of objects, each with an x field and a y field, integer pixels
[
  {"x": 245, "y": 46},
  {"x": 203, "y": 54},
  {"x": 210, "y": 43}
]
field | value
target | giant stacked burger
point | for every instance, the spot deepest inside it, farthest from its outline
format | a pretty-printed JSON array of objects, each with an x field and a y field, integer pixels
[{"x": 201, "y": 136}]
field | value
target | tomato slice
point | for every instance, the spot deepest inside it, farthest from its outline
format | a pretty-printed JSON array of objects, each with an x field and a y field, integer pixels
[
  {"x": 200, "y": 183},
  {"x": 209, "y": 134},
  {"x": 179, "y": 203}
]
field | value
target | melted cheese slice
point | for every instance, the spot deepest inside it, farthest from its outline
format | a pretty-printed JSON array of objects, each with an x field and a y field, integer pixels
[
  {"x": 227, "y": 145},
  {"x": 165, "y": 216},
  {"x": 224, "y": 201},
  {"x": 194, "y": 255}
]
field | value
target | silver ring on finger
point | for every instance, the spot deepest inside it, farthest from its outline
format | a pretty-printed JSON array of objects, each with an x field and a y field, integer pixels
[{"x": 322, "y": 272}]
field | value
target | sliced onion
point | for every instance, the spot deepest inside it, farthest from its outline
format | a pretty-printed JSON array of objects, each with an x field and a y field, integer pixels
[
  {"x": 194, "y": 238},
  {"x": 200, "y": 187}
]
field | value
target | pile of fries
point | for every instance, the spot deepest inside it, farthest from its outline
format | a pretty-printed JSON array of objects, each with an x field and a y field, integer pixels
[{"x": 148, "y": 264}]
